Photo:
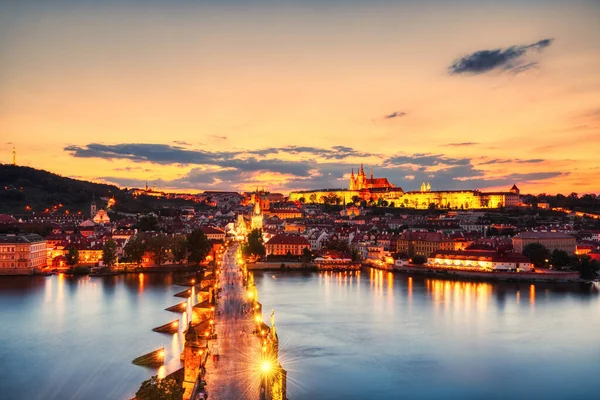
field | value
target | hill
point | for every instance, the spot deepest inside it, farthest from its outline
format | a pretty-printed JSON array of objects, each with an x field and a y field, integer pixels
[{"x": 39, "y": 190}]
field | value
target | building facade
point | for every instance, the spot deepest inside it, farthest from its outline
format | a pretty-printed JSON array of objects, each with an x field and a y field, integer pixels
[
  {"x": 550, "y": 240},
  {"x": 281, "y": 245},
  {"x": 22, "y": 254}
]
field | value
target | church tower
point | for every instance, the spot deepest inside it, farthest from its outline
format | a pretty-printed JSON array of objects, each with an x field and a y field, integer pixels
[
  {"x": 352, "y": 181},
  {"x": 93, "y": 207}
]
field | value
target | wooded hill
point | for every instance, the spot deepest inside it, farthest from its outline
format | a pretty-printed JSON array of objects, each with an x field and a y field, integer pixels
[{"x": 24, "y": 186}]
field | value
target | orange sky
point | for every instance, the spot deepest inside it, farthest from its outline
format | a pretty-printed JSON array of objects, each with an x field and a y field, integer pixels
[{"x": 230, "y": 95}]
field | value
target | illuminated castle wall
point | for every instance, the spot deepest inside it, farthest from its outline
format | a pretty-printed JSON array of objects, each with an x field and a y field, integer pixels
[{"x": 374, "y": 188}]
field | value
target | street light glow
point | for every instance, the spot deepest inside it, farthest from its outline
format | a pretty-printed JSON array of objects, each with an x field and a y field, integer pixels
[{"x": 265, "y": 366}]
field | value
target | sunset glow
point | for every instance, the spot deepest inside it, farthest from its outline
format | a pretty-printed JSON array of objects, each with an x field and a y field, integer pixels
[{"x": 291, "y": 95}]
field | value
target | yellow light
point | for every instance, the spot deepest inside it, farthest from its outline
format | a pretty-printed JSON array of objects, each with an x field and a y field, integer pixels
[
  {"x": 265, "y": 366},
  {"x": 174, "y": 323},
  {"x": 258, "y": 319},
  {"x": 212, "y": 322},
  {"x": 264, "y": 348},
  {"x": 161, "y": 354},
  {"x": 193, "y": 281},
  {"x": 250, "y": 295}
]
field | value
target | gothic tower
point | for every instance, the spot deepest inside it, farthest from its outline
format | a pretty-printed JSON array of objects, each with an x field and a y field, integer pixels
[{"x": 257, "y": 217}]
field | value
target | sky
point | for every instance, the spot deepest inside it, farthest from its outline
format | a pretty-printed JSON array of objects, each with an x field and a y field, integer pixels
[{"x": 289, "y": 95}]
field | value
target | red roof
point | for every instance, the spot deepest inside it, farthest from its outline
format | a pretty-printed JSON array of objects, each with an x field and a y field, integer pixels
[
  {"x": 208, "y": 230},
  {"x": 7, "y": 219},
  {"x": 289, "y": 239}
]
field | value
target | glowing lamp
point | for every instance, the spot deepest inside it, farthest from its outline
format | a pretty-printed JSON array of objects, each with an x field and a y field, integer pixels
[{"x": 265, "y": 366}]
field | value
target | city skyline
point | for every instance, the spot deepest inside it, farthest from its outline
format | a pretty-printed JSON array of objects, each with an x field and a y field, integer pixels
[{"x": 291, "y": 96}]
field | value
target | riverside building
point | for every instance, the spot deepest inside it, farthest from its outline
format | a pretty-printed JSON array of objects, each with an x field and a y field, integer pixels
[{"x": 22, "y": 254}]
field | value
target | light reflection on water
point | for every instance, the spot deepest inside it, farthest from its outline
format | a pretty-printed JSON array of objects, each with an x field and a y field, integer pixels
[
  {"x": 66, "y": 337},
  {"x": 396, "y": 336}
]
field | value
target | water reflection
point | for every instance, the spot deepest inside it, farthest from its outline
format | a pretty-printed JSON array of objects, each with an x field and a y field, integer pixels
[{"x": 400, "y": 333}]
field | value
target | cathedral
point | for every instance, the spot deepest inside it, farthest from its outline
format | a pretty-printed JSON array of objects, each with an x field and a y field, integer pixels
[{"x": 360, "y": 181}]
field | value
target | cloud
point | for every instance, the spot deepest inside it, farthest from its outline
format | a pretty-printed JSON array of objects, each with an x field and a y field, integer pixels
[
  {"x": 463, "y": 144},
  {"x": 512, "y": 160},
  {"x": 396, "y": 114},
  {"x": 303, "y": 167},
  {"x": 181, "y": 143},
  {"x": 217, "y": 137},
  {"x": 509, "y": 59}
]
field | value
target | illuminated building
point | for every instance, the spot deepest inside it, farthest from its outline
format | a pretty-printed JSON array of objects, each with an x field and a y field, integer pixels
[
  {"x": 372, "y": 189},
  {"x": 423, "y": 243},
  {"x": 284, "y": 213},
  {"x": 22, "y": 254},
  {"x": 213, "y": 233},
  {"x": 101, "y": 217},
  {"x": 480, "y": 260},
  {"x": 257, "y": 217},
  {"x": 550, "y": 240},
  {"x": 284, "y": 244},
  {"x": 361, "y": 181}
]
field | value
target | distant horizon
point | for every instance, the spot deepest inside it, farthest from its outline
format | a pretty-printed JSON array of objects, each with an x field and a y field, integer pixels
[{"x": 267, "y": 189}]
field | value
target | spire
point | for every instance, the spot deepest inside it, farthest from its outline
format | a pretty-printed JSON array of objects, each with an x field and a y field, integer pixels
[
  {"x": 352, "y": 175},
  {"x": 371, "y": 173},
  {"x": 14, "y": 156},
  {"x": 362, "y": 171}
]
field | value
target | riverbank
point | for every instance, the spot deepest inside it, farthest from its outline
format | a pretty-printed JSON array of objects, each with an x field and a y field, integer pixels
[{"x": 541, "y": 275}]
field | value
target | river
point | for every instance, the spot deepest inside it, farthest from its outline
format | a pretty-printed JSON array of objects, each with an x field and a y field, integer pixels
[{"x": 343, "y": 336}]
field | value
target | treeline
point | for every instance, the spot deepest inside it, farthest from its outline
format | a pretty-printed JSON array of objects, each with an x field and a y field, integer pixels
[
  {"x": 560, "y": 260},
  {"x": 180, "y": 249},
  {"x": 587, "y": 202}
]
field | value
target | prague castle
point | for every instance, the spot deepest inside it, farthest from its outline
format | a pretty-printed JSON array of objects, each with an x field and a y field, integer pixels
[{"x": 373, "y": 189}]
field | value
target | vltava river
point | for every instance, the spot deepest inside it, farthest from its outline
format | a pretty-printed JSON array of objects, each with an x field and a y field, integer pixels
[
  {"x": 68, "y": 337},
  {"x": 372, "y": 335},
  {"x": 376, "y": 335}
]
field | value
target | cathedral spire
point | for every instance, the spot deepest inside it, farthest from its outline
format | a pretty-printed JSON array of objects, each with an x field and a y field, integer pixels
[
  {"x": 352, "y": 173},
  {"x": 371, "y": 173},
  {"x": 362, "y": 171}
]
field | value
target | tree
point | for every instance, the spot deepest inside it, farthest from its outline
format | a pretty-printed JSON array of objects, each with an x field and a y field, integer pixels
[
  {"x": 381, "y": 202},
  {"x": 255, "y": 245},
  {"x": 356, "y": 200},
  {"x": 588, "y": 268},
  {"x": 109, "y": 253},
  {"x": 159, "y": 245},
  {"x": 313, "y": 198},
  {"x": 135, "y": 248},
  {"x": 537, "y": 254},
  {"x": 419, "y": 260},
  {"x": 160, "y": 389},
  {"x": 179, "y": 248},
  {"x": 560, "y": 259},
  {"x": 198, "y": 246},
  {"x": 302, "y": 200},
  {"x": 306, "y": 254},
  {"x": 147, "y": 223},
  {"x": 72, "y": 257}
]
